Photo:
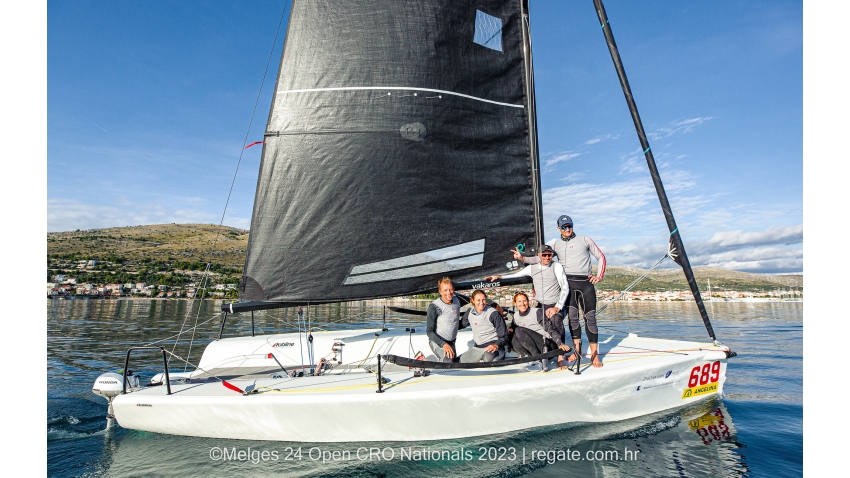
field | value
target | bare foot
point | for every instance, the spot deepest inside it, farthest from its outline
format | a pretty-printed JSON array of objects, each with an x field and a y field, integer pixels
[
  {"x": 572, "y": 357},
  {"x": 562, "y": 364},
  {"x": 595, "y": 359}
]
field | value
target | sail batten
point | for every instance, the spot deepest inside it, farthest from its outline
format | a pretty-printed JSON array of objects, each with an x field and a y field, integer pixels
[{"x": 360, "y": 183}]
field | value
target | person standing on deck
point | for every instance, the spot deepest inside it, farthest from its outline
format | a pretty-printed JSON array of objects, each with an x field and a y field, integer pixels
[
  {"x": 574, "y": 253},
  {"x": 550, "y": 287},
  {"x": 443, "y": 318}
]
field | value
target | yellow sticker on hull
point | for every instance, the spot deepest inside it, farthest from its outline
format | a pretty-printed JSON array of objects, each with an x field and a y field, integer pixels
[{"x": 699, "y": 390}]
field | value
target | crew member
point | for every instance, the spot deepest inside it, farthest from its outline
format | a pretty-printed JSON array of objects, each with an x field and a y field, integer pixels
[
  {"x": 574, "y": 253},
  {"x": 533, "y": 332},
  {"x": 488, "y": 331},
  {"x": 442, "y": 321},
  {"x": 550, "y": 287}
]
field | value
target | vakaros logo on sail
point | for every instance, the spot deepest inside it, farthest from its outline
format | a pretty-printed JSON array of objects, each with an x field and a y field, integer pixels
[
  {"x": 485, "y": 285},
  {"x": 703, "y": 380}
]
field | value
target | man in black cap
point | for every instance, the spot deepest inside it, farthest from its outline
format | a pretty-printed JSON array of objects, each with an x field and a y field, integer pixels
[
  {"x": 574, "y": 255},
  {"x": 550, "y": 287}
]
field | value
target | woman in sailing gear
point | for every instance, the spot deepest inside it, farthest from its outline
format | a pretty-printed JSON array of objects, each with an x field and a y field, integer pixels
[
  {"x": 488, "y": 331},
  {"x": 442, "y": 322},
  {"x": 550, "y": 286},
  {"x": 533, "y": 331},
  {"x": 574, "y": 255}
]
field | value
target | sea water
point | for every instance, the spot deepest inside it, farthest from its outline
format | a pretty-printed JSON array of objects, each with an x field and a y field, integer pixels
[{"x": 756, "y": 429}]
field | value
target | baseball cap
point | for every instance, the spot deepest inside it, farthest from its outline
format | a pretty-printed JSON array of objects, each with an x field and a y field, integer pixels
[{"x": 564, "y": 220}]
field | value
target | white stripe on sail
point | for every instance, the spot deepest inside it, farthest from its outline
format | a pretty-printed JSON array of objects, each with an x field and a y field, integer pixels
[
  {"x": 405, "y": 88},
  {"x": 416, "y": 271},
  {"x": 447, "y": 259}
]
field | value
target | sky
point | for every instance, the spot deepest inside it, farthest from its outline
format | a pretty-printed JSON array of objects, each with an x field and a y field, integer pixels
[{"x": 149, "y": 103}]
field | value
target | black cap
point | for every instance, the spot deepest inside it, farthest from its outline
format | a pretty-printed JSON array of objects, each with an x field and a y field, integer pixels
[{"x": 547, "y": 248}]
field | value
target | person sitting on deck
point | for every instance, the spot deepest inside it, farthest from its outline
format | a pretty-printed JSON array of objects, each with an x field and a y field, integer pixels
[
  {"x": 488, "y": 331},
  {"x": 533, "y": 332},
  {"x": 442, "y": 321}
]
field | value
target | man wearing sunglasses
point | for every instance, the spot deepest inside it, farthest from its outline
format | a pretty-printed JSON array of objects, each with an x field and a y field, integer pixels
[
  {"x": 574, "y": 253},
  {"x": 550, "y": 287}
]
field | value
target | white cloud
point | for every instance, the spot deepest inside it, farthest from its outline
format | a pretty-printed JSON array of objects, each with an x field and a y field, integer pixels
[
  {"x": 69, "y": 214},
  {"x": 561, "y": 156},
  {"x": 678, "y": 127},
  {"x": 633, "y": 163},
  {"x": 771, "y": 235},
  {"x": 601, "y": 138},
  {"x": 625, "y": 220},
  {"x": 573, "y": 177}
]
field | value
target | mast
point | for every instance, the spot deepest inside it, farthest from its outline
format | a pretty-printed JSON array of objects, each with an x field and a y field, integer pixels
[
  {"x": 680, "y": 257},
  {"x": 532, "y": 125}
]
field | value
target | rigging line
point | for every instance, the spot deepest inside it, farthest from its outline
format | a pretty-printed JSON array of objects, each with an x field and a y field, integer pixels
[
  {"x": 300, "y": 338},
  {"x": 177, "y": 335},
  {"x": 189, "y": 313},
  {"x": 196, "y": 367},
  {"x": 205, "y": 278},
  {"x": 632, "y": 284},
  {"x": 370, "y": 351},
  {"x": 251, "y": 122},
  {"x": 192, "y": 340}
]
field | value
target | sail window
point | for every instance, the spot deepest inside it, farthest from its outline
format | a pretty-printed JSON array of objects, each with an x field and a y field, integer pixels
[
  {"x": 488, "y": 31},
  {"x": 438, "y": 261}
]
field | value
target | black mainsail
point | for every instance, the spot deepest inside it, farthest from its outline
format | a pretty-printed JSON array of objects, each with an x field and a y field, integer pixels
[{"x": 398, "y": 149}]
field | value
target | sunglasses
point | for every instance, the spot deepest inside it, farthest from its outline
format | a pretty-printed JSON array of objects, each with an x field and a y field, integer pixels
[
  {"x": 547, "y": 254},
  {"x": 566, "y": 226}
]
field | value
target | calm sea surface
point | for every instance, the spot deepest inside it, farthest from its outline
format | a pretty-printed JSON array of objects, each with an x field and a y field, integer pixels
[{"x": 755, "y": 430}]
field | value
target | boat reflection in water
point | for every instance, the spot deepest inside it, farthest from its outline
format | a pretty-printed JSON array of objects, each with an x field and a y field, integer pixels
[{"x": 698, "y": 440}]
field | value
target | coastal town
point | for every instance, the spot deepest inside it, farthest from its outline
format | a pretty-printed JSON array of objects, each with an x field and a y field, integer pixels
[
  {"x": 187, "y": 261},
  {"x": 66, "y": 286}
]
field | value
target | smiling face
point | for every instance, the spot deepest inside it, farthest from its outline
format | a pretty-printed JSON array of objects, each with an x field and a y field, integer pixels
[
  {"x": 447, "y": 291},
  {"x": 521, "y": 302},
  {"x": 479, "y": 300},
  {"x": 545, "y": 258}
]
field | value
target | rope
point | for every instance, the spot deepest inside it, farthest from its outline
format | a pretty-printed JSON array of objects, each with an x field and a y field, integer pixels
[
  {"x": 406, "y": 362},
  {"x": 200, "y": 292},
  {"x": 178, "y": 334},
  {"x": 205, "y": 278},
  {"x": 370, "y": 351},
  {"x": 632, "y": 284}
]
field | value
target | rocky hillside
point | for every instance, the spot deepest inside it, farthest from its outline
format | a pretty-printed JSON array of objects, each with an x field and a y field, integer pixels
[{"x": 162, "y": 242}]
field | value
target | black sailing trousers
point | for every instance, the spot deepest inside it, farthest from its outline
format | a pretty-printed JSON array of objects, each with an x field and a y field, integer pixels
[{"x": 582, "y": 296}]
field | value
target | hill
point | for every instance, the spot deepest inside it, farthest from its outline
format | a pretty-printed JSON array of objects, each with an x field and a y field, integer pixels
[
  {"x": 161, "y": 242},
  {"x": 616, "y": 278},
  {"x": 137, "y": 252}
]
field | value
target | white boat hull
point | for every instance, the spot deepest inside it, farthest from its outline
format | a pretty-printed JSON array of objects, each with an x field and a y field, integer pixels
[{"x": 640, "y": 376}]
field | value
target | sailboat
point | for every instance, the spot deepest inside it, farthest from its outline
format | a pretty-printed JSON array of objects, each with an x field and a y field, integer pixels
[{"x": 401, "y": 147}]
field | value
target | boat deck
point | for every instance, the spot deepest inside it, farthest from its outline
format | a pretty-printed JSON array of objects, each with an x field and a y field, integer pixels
[{"x": 620, "y": 356}]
